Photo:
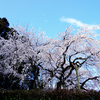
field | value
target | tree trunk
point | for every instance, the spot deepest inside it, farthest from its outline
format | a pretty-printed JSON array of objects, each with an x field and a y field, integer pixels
[
  {"x": 77, "y": 78},
  {"x": 58, "y": 85}
]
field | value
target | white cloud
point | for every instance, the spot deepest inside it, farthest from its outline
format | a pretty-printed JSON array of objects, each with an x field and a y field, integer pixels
[{"x": 77, "y": 23}]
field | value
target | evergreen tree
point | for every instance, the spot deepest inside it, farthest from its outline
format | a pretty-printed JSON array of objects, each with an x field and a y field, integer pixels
[{"x": 4, "y": 28}]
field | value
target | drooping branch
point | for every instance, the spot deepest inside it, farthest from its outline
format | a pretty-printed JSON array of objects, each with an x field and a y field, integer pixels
[
  {"x": 69, "y": 74},
  {"x": 93, "y": 78},
  {"x": 73, "y": 55}
]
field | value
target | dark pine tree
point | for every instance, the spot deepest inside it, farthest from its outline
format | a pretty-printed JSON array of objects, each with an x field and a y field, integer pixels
[{"x": 4, "y": 28}]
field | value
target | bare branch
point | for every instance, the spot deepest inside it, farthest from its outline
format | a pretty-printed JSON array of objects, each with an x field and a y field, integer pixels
[{"x": 93, "y": 78}]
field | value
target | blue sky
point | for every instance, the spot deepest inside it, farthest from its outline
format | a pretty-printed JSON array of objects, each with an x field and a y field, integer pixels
[{"x": 52, "y": 16}]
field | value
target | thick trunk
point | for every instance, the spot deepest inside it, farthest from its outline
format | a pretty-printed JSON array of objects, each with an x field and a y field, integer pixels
[
  {"x": 61, "y": 84},
  {"x": 58, "y": 85}
]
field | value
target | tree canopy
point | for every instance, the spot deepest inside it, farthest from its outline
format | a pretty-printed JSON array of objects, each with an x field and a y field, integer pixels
[
  {"x": 69, "y": 61},
  {"x": 70, "y": 53}
]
